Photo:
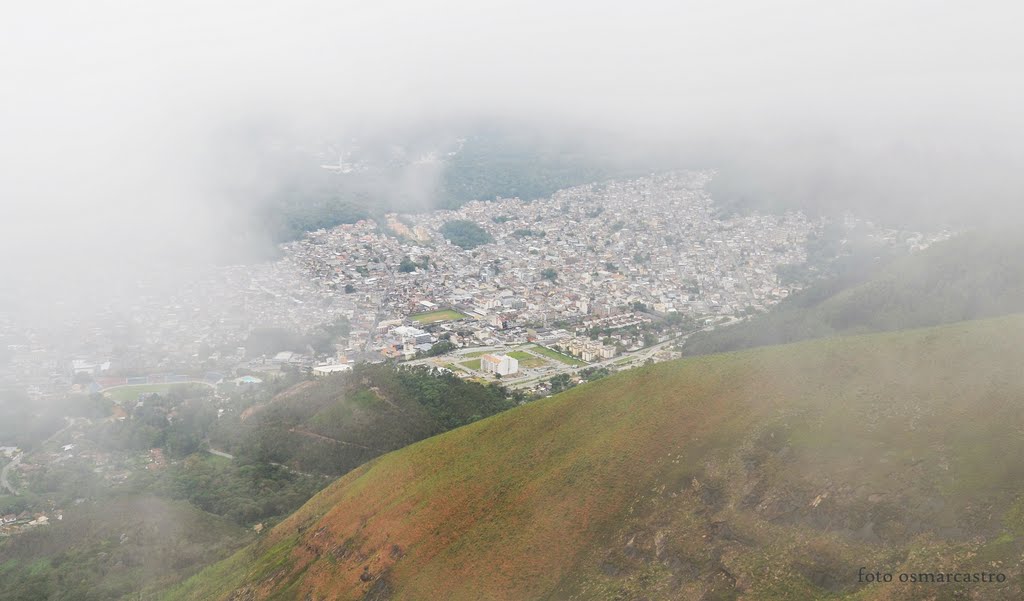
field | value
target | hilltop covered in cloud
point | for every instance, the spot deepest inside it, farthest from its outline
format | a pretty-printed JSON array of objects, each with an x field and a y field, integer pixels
[{"x": 152, "y": 135}]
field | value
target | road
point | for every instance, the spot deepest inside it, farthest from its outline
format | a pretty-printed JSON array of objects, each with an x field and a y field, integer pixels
[
  {"x": 220, "y": 453},
  {"x": 380, "y": 305},
  {"x": 531, "y": 378},
  {"x": 4, "y": 482},
  {"x": 68, "y": 422}
]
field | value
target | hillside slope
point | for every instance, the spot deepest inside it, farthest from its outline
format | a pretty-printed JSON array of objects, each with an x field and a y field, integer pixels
[
  {"x": 768, "y": 474},
  {"x": 974, "y": 276},
  {"x": 126, "y": 547},
  {"x": 331, "y": 425}
]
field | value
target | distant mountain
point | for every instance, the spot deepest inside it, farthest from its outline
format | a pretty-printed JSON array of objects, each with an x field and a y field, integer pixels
[
  {"x": 437, "y": 169},
  {"x": 498, "y": 162},
  {"x": 769, "y": 474},
  {"x": 972, "y": 276}
]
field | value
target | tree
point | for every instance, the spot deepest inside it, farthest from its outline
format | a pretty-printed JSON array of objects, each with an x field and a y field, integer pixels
[
  {"x": 439, "y": 348},
  {"x": 560, "y": 382},
  {"x": 406, "y": 266},
  {"x": 549, "y": 274},
  {"x": 465, "y": 234}
]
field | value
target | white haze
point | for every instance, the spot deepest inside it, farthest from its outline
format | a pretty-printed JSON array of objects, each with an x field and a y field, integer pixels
[{"x": 124, "y": 125}]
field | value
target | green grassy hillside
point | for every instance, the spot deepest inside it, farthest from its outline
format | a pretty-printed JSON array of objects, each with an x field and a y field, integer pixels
[
  {"x": 775, "y": 473},
  {"x": 974, "y": 276}
]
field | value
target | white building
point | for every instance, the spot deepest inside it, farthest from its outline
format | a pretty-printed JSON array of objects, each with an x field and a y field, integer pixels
[
  {"x": 502, "y": 365},
  {"x": 411, "y": 336},
  {"x": 326, "y": 370}
]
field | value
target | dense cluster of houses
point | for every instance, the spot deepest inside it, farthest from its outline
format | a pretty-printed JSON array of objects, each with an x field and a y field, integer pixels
[{"x": 601, "y": 256}]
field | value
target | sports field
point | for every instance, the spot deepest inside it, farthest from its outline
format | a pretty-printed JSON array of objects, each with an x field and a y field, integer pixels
[
  {"x": 132, "y": 392},
  {"x": 526, "y": 360},
  {"x": 480, "y": 353},
  {"x": 442, "y": 315},
  {"x": 543, "y": 350}
]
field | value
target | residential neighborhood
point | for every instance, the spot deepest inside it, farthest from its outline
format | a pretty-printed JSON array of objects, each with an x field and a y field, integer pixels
[{"x": 592, "y": 273}]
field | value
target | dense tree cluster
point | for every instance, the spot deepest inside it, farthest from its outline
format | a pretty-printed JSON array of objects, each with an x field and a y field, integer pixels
[
  {"x": 163, "y": 523},
  {"x": 439, "y": 348},
  {"x": 499, "y": 164},
  {"x": 342, "y": 421},
  {"x": 125, "y": 547},
  {"x": 244, "y": 493},
  {"x": 465, "y": 234}
]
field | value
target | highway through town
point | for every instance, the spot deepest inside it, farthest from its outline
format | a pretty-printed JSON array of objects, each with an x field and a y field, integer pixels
[{"x": 532, "y": 377}]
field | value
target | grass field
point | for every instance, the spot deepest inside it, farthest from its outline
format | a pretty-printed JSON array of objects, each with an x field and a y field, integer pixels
[
  {"x": 442, "y": 315},
  {"x": 471, "y": 364},
  {"x": 774, "y": 466},
  {"x": 130, "y": 393},
  {"x": 477, "y": 354},
  {"x": 526, "y": 360},
  {"x": 551, "y": 354}
]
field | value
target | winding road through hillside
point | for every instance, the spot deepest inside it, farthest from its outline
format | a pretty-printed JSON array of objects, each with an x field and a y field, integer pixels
[{"x": 4, "y": 482}]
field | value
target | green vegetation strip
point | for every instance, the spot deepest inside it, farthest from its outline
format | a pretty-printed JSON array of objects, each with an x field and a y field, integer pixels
[{"x": 552, "y": 354}]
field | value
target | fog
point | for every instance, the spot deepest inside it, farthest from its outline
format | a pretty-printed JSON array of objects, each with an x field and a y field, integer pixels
[
  {"x": 150, "y": 153},
  {"x": 137, "y": 135}
]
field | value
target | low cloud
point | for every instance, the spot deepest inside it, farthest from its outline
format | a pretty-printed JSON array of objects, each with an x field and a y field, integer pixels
[{"x": 142, "y": 136}]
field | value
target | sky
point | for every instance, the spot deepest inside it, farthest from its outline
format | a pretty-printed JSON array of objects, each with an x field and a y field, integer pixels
[{"x": 126, "y": 127}]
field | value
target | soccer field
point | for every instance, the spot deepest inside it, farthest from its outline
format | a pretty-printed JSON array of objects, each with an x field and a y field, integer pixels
[{"x": 132, "y": 392}]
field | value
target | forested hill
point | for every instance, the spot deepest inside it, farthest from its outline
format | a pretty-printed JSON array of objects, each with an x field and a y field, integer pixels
[
  {"x": 334, "y": 424},
  {"x": 125, "y": 547},
  {"x": 485, "y": 163},
  {"x": 497, "y": 162},
  {"x": 769, "y": 474},
  {"x": 972, "y": 276}
]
